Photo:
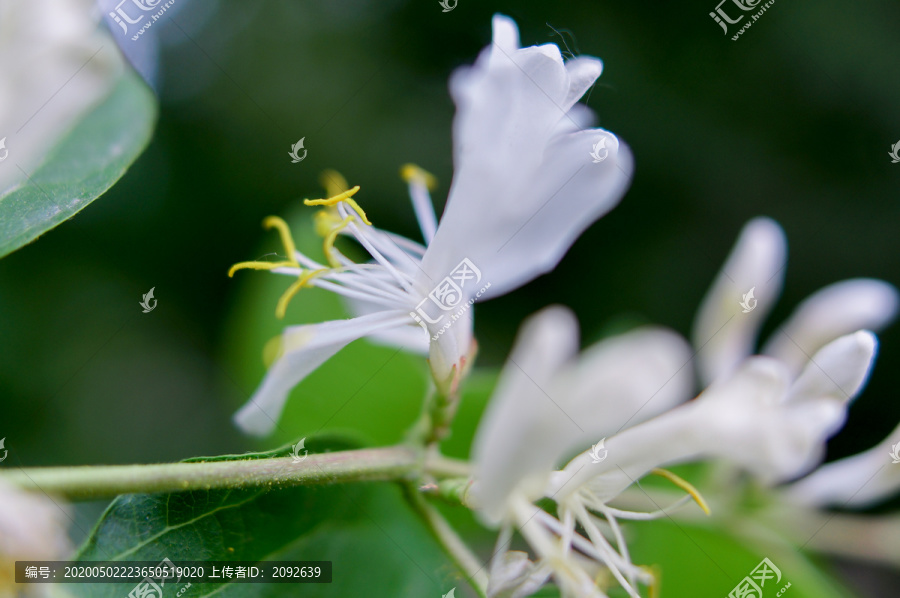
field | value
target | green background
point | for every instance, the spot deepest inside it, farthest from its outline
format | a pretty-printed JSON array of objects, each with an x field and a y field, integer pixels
[{"x": 794, "y": 121}]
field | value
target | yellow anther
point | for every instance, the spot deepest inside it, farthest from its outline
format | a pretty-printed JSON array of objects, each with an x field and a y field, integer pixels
[
  {"x": 333, "y": 181},
  {"x": 298, "y": 284},
  {"x": 286, "y": 239},
  {"x": 259, "y": 266},
  {"x": 346, "y": 198},
  {"x": 284, "y": 232},
  {"x": 411, "y": 172},
  {"x": 331, "y": 237},
  {"x": 326, "y": 219},
  {"x": 684, "y": 485}
]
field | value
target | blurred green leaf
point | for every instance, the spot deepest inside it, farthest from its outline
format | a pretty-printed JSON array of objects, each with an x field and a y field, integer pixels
[
  {"x": 348, "y": 524},
  {"x": 88, "y": 161},
  {"x": 373, "y": 390},
  {"x": 703, "y": 560},
  {"x": 386, "y": 551}
]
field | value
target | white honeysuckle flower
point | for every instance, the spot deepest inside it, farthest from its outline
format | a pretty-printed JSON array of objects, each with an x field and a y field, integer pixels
[
  {"x": 56, "y": 64},
  {"x": 32, "y": 527},
  {"x": 758, "y": 418},
  {"x": 524, "y": 187},
  {"x": 858, "y": 481},
  {"x": 549, "y": 402},
  {"x": 724, "y": 335}
]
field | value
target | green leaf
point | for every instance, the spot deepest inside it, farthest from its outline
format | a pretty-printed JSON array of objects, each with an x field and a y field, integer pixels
[
  {"x": 87, "y": 162},
  {"x": 386, "y": 552},
  {"x": 706, "y": 560},
  {"x": 377, "y": 544}
]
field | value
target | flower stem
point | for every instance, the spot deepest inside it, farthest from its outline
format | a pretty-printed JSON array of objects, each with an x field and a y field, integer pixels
[
  {"x": 103, "y": 481},
  {"x": 458, "y": 550}
]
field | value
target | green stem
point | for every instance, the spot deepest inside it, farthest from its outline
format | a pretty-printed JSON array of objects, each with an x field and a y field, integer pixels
[
  {"x": 104, "y": 481},
  {"x": 455, "y": 547}
]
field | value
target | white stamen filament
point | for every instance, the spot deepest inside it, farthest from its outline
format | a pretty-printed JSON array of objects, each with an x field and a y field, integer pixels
[
  {"x": 376, "y": 255},
  {"x": 620, "y": 542},
  {"x": 356, "y": 287},
  {"x": 612, "y": 559},
  {"x": 421, "y": 200},
  {"x": 585, "y": 546},
  {"x": 636, "y": 516}
]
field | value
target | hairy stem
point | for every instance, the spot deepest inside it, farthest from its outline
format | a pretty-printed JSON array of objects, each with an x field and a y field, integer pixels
[{"x": 104, "y": 481}]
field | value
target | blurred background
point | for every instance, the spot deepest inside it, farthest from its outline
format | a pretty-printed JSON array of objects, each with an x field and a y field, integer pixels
[{"x": 794, "y": 120}]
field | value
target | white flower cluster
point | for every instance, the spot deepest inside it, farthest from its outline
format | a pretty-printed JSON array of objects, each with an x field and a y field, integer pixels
[{"x": 525, "y": 186}]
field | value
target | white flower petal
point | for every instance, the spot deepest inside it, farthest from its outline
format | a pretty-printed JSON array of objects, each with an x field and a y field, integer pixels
[
  {"x": 752, "y": 418},
  {"x": 834, "y": 311},
  {"x": 578, "y": 118},
  {"x": 522, "y": 191},
  {"x": 505, "y": 33},
  {"x": 838, "y": 370},
  {"x": 523, "y": 236},
  {"x": 723, "y": 335},
  {"x": 732, "y": 419},
  {"x": 583, "y": 72},
  {"x": 567, "y": 194},
  {"x": 519, "y": 433},
  {"x": 506, "y": 108},
  {"x": 305, "y": 349},
  {"x": 548, "y": 405},
  {"x": 412, "y": 338},
  {"x": 858, "y": 481},
  {"x": 780, "y": 440},
  {"x": 627, "y": 379}
]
